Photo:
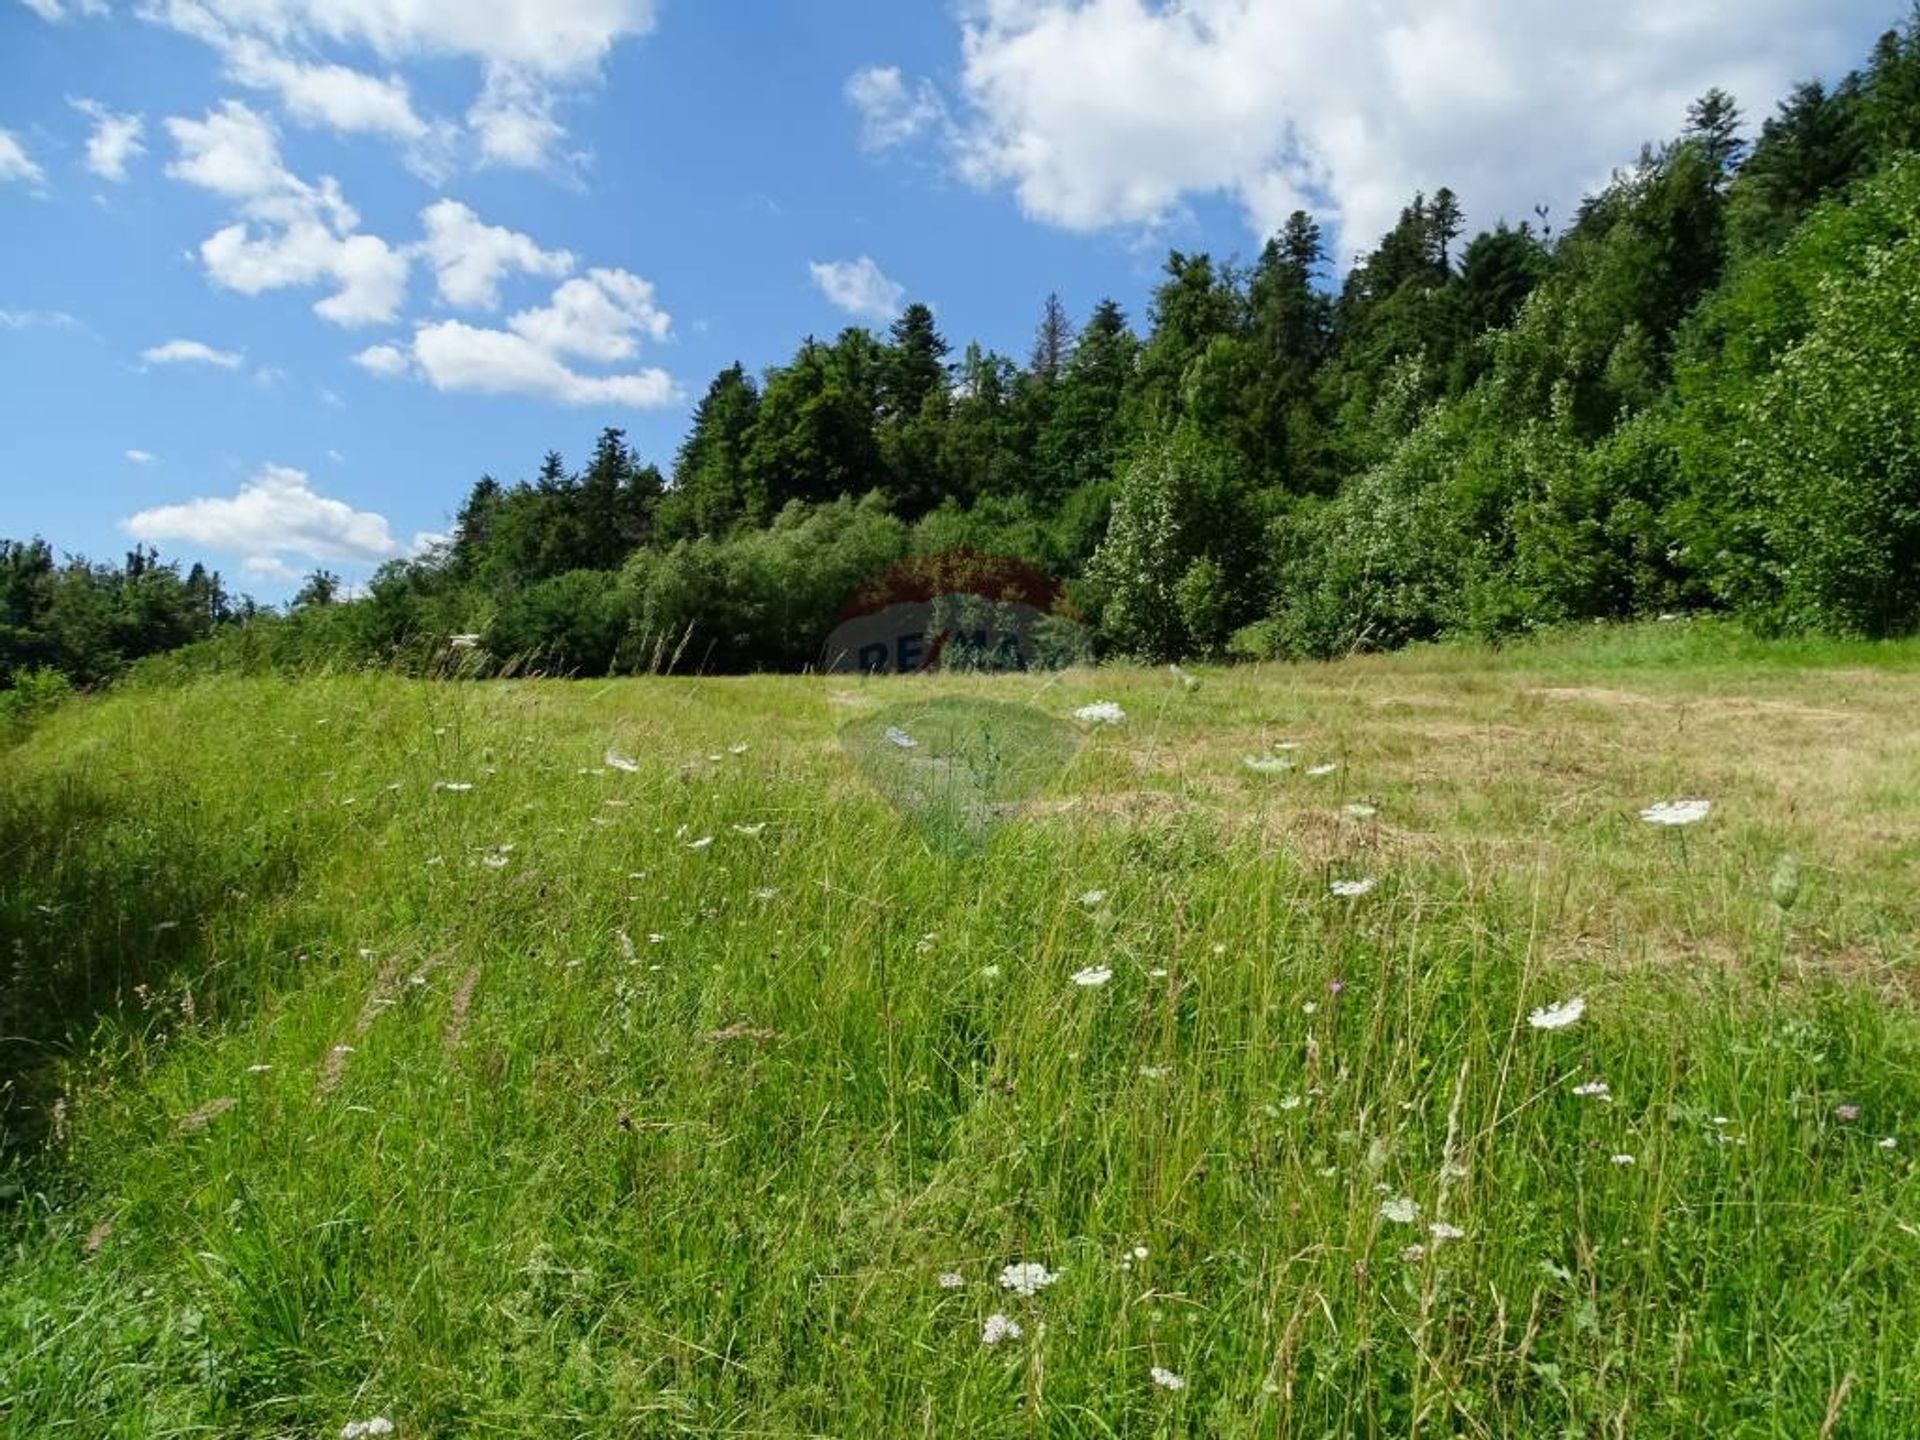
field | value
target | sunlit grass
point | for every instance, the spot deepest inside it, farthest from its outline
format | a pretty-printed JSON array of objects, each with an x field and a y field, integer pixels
[{"x": 341, "y": 1093}]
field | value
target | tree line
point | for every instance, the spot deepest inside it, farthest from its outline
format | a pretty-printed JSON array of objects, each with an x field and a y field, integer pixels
[{"x": 1698, "y": 393}]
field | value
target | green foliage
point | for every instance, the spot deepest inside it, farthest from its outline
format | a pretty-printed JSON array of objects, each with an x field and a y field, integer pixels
[{"x": 1463, "y": 435}]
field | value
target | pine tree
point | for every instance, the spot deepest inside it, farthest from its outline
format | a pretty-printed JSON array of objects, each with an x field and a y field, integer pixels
[
  {"x": 915, "y": 364},
  {"x": 1713, "y": 124},
  {"x": 1053, "y": 344}
]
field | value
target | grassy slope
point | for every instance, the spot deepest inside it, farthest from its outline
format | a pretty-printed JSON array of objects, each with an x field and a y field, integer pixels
[{"x": 509, "y": 1174}]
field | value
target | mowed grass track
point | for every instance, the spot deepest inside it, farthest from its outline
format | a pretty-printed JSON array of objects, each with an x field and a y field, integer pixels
[{"x": 515, "y": 1110}]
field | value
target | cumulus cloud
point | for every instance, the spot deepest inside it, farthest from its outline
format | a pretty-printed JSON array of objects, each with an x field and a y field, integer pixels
[
  {"x": 526, "y": 48},
  {"x": 306, "y": 234},
  {"x": 340, "y": 98},
  {"x": 892, "y": 111},
  {"x": 513, "y": 122},
  {"x": 453, "y": 356},
  {"x": 141, "y": 457},
  {"x": 600, "y": 317},
  {"x": 470, "y": 258},
  {"x": 1101, "y": 113},
  {"x": 275, "y": 514},
  {"x": 557, "y": 38},
  {"x": 595, "y": 317},
  {"x": 859, "y": 287},
  {"x": 15, "y": 163},
  {"x": 387, "y": 361},
  {"x": 192, "y": 352},
  {"x": 114, "y": 141}
]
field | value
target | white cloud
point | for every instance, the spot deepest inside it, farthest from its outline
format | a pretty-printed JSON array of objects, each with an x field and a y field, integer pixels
[
  {"x": 1117, "y": 112},
  {"x": 388, "y": 361},
  {"x": 141, "y": 457},
  {"x": 469, "y": 257},
  {"x": 336, "y": 97},
  {"x": 277, "y": 513},
  {"x": 115, "y": 140},
  {"x": 859, "y": 287},
  {"x": 15, "y": 163},
  {"x": 525, "y": 47},
  {"x": 37, "y": 320},
  {"x": 595, "y": 317},
  {"x": 892, "y": 112},
  {"x": 308, "y": 233},
  {"x": 268, "y": 567},
  {"x": 192, "y": 352},
  {"x": 453, "y": 356},
  {"x": 53, "y": 11},
  {"x": 557, "y": 38},
  {"x": 232, "y": 152},
  {"x": 513, "y": 121},
  {"x": 371, "y": 275},
  {"x": 600, "y": 316}
]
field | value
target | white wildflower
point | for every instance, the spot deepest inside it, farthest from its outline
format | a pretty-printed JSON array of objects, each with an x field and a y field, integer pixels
[
  {"x": 1362, "y": 812},
  {"x": 1320, "y": 772},
  {"x": 1155, "y": 1072},
  {"x": 702, "y": 843},
  {"x": 1889, "y": 1143},
  {"x": 1103, "y": 712},
  {"x": 1441, "y": 1231},
  {"x": 999, "y": 1328},
  {"x": 1414, "y": 1254},
  {"x": 1400, "y": 1209},
  {"x": 1267, "y": 764},
  {"x": 360, "y": 1429},
  {"x": 1353, "y": 889},
  {"x": 1139, "y": 1252},
  {"x": 951, "y": 1280},
  {"x": 1091, "y": 898},
  {"x": 1291, "y": 1102},
  {"x": 738, "y": 748},
  {"x": 622, "y": 762},
  {"x": 1093, "y": 976},
  {"x": 1595, "y": 1090},
  {"x": 1027, "y": 1278},
  {"x": 494, "y": 862},
  {"x": 1166, "y": 1379},
  {"x": 751, "y": 831},
  {"x": 463, "y": 642},
  {"x": 897, "y": 736},
  {"x": 989, "y": 972},
  {"x": 455, "y": 787},
  {"x": 1558, "y": 1017},
  {"x": 1621, "y": 1160},
  {"x": 1187, "y": 682},
  {"x": 1677, "y": 812},
  {"x": 765, "y": 893}
]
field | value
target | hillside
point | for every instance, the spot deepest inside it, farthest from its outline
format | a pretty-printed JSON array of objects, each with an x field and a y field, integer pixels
[{"x": 387, "y": 1049}]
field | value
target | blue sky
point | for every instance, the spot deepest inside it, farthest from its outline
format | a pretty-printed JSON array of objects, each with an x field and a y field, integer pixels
[{"x": 280, "y": 278}]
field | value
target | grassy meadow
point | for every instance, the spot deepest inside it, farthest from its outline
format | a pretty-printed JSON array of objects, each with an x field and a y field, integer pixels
[{"x": 386, "y": 1049}]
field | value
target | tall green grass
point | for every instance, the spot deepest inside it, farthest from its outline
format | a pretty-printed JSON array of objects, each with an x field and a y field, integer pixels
[{"x": 325, "y": 1104}]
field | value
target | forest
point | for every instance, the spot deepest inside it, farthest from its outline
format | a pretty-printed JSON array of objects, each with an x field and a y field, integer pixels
[{"x": 1695, "y": 394}]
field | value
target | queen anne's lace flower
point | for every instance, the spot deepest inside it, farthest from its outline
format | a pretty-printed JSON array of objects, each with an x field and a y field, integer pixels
[
  {"x": 999, "y": 1328},
  {"x": 1103, "y": 712},
  {"x": 1027, "y": 1278},
  {"x": 1677, "y": 812},
  {"x": 1558, "y": 1017}
]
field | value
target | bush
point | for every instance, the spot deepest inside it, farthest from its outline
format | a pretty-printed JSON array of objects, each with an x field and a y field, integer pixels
[{"x": 31, "y": 696}]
